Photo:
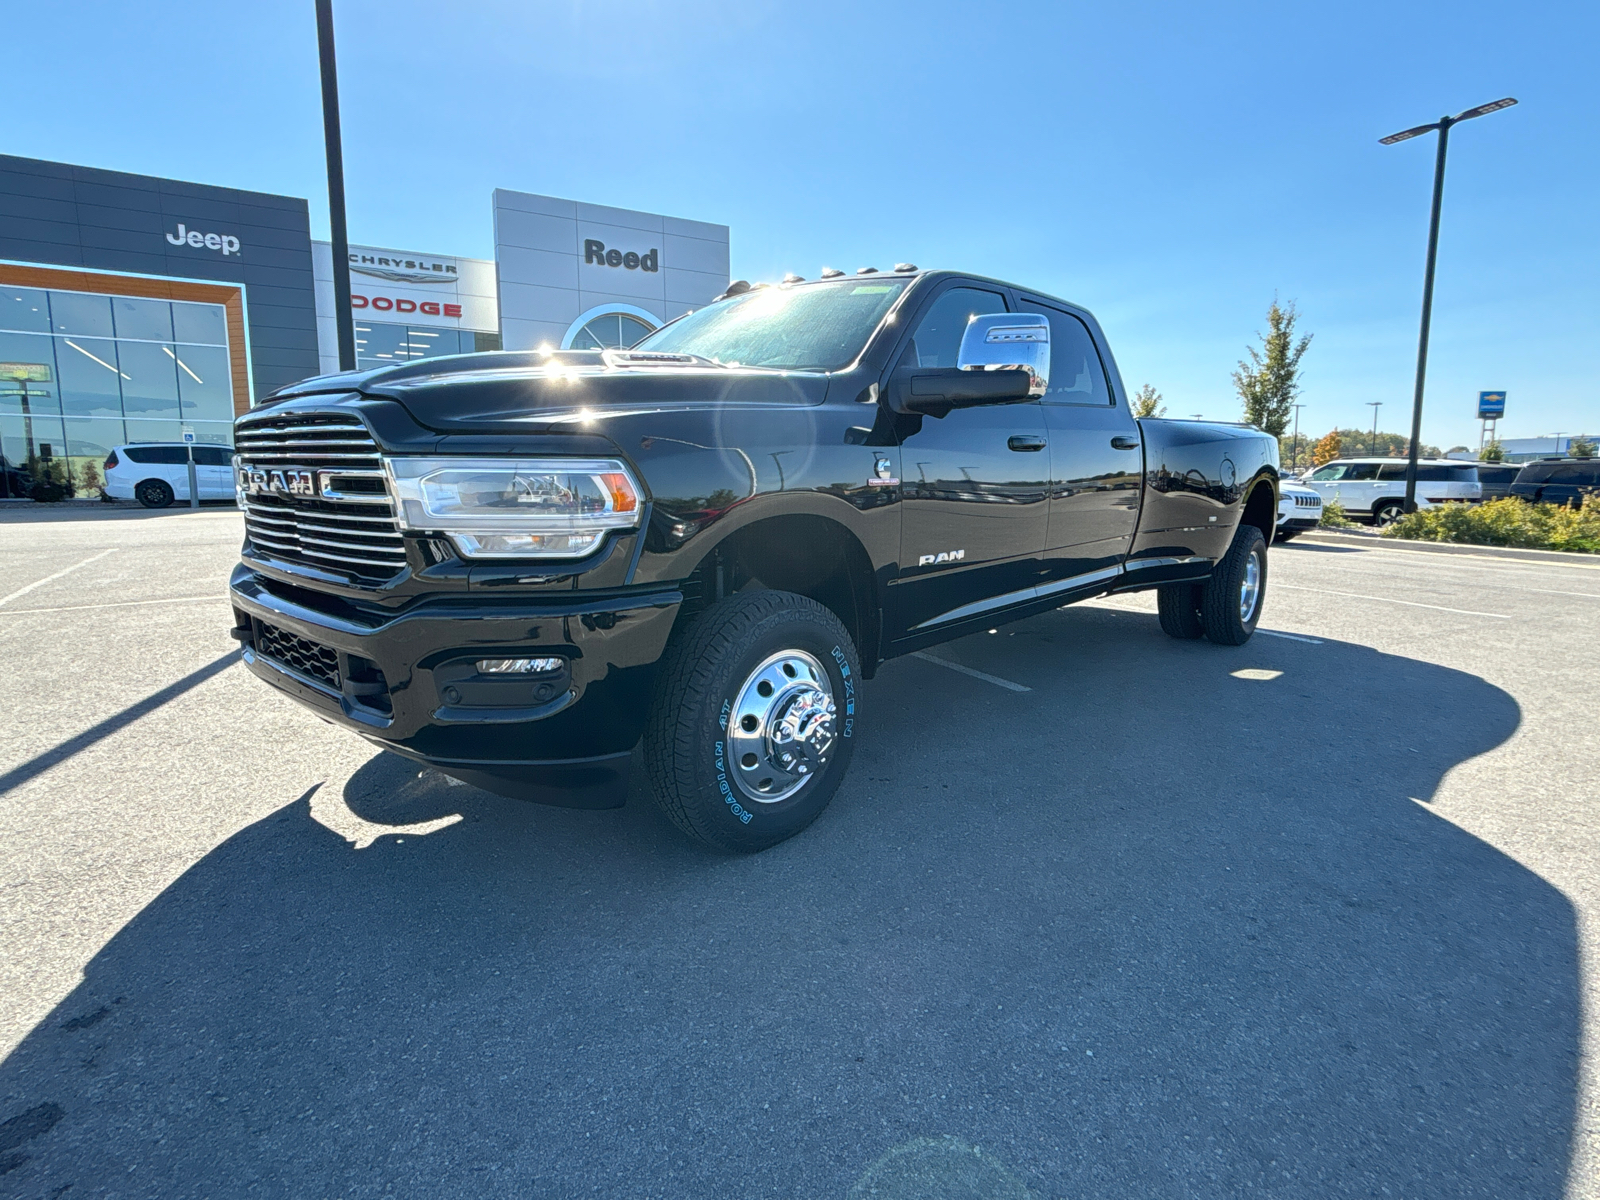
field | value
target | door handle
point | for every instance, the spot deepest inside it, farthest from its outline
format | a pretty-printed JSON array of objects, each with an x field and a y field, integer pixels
[
  {"x": 1025, "y": 441},
  {"x": 1124, "y": 443}
]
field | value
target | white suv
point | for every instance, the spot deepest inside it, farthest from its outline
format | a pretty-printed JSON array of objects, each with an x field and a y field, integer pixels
[
  {"x": 157, "y": 473},
  {"x": 1299, "y": 509},
  {"x": 1375, "y": 488}
]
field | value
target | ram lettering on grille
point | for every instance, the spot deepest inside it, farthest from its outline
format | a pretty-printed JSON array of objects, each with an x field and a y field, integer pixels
[{"x": 314, "y": 495}]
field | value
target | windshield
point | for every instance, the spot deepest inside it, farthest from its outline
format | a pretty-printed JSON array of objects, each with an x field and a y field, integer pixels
[{"x": 814, "y": 327}]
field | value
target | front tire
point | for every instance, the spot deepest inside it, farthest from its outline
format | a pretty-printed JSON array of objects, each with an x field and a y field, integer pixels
[
  {"x": 154, "y": 493},
  {"x": 753, "y": 722},
  {"x": 1230, "y": 602}
]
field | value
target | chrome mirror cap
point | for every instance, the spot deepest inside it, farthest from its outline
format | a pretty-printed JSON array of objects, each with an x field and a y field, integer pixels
[{"x": 1008, "y": 342}]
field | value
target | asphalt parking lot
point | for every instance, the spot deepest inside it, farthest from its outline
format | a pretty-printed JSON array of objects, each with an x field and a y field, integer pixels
[{"x": 1315, "y": 916}]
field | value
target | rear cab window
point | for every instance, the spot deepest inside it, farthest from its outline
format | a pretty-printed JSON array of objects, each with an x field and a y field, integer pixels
[{"x": 1077, "y": 376}]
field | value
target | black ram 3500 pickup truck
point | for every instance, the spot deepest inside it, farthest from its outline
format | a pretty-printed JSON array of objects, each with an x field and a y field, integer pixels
[{"x": 515, "y": 566}]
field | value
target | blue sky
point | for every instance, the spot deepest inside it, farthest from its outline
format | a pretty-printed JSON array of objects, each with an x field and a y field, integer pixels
[{"x": 1170, "y": 166}]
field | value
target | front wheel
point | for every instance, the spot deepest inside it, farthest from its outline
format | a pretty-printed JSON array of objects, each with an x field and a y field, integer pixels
[
  {"x": 753, "y": 720},
  {"x": 1230, "y": 602}
]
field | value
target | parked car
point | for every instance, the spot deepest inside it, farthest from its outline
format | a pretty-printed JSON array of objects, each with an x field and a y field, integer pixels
[
  {"x": 15, "y": 481},
  {"x": 157, "y": 473},
  {"x": 1558, "y": 480},
  {"x": 1496, "y": 479},
  {"x": 1299, "y": 509},
  {"x": 514, "y": 566},
  {"x": 1374, "y": 489}
]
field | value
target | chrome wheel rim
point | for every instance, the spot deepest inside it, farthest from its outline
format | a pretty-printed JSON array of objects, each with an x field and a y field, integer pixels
[
  {"x": 781, "y": 727},
  {"x": 1250, "y": 587}
]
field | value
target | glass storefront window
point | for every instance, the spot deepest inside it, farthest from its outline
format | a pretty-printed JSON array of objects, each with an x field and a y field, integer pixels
[
  {"x": 204, "y": 383},
  {"x": 90, "y": 380},
  {"x": 379, "y": 344},
  {"x": 149, "y": 380},
  {"x": 203, "y": 324},
  {"x": 118, "y": 369},
  {"x": 147, "y": 320},
  {"x": 79, "y": 312},
  {"x": 24, "y": 309}
]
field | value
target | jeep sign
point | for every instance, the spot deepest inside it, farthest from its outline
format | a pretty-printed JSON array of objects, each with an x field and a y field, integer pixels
[{"x": 225, "y": 242}]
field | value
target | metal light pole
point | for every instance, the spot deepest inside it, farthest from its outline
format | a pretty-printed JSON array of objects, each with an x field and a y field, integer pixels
[
  {"x": 1443, "y": 125},
  {"x": 343, "y": 319},
  {"x": 1372, "y": 446},
  {"x": 1294, "y": 450}
]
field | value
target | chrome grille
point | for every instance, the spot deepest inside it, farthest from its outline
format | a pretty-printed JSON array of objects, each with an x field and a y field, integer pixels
[{"x": 353, "y": 529}]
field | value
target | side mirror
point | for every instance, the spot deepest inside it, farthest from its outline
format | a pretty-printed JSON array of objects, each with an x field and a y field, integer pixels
[
  {"x": 1008, "y": 342},
  {"x": 1004, "y": 358}
]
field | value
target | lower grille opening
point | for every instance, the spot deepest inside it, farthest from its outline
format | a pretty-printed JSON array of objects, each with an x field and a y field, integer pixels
[
  {"x": 300, "y": 654},
  {"x": 359, "y": 680}
]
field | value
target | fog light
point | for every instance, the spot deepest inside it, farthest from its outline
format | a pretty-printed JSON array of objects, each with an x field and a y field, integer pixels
[{"x": 517, "y": 666}]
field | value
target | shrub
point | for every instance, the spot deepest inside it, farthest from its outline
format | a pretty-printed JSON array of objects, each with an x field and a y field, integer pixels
[
  {"x": 1333, "y": 515},
  {"x": 1505, "y": 522}
]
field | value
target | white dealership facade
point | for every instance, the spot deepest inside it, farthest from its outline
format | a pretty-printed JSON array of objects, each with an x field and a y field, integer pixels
[{"x": 565, "y": 274}]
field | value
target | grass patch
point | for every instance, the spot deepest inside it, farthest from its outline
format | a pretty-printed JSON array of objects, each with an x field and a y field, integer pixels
[{"x": 1505, "y": 522}]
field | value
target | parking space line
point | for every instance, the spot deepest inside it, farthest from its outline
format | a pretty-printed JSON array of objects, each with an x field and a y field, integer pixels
[
  {"x": 50, "y": 578},
  {"x": 987, "y": 678},
  {"x": 1466, "y": 612},
  {"x": 1293, "y": 637},
  {"x": 22, "y": 612}
]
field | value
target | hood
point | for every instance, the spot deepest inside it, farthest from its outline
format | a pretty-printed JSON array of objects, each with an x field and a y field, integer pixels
[{"x": 528, "y": 391}]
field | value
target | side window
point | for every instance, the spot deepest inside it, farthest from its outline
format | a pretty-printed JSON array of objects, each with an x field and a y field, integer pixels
[
  {"x": 168, "y": 454},
  {"x": 1329, "y": 473},
  {"x": 938, "y": 335},
  {"x": 213, "y": 456},
  {"x": 1076, "y": 375},
  {"x": 1392, "y": 471},
  {"x": 1361, "y": 471}
]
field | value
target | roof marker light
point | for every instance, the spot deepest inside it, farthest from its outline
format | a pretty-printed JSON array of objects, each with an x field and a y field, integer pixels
[
  {"x": 791, "y": 277},
  {"x": 831, "y": 272},
  {"x": 866, "y": 270},
  {"x": 905, "y": 266}
]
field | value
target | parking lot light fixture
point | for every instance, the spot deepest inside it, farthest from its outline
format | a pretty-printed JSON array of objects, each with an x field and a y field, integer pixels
[
  {"x": 1372, "y": 446},
  {"x": 1443, "y": 125}
]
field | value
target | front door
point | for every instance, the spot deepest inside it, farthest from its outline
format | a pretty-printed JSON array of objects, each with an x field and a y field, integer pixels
[
  {"x": 1096, "y": 460},
  {"x": 973, "y": 488}
]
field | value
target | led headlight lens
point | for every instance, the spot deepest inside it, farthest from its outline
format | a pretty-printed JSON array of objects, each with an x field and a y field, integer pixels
[{"x": 516, "y": 508}]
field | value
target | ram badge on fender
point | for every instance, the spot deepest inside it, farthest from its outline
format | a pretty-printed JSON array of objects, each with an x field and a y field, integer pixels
[{"x": 516, "y": 566}]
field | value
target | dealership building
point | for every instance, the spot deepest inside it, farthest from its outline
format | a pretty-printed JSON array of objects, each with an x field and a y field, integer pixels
[{"x": 133, "y": 308}]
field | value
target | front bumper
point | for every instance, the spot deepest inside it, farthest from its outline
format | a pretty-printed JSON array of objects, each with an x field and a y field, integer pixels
[{"x": 406, "y": 679}]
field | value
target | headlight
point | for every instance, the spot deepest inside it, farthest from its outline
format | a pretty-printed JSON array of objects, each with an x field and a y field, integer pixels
[{"x": 516, "y": 508}]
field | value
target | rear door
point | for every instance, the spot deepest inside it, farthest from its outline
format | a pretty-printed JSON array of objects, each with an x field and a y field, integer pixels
[
  {"x": 1096, "y": 458},
  {"x": 1359, "y": 487},
  {"x": 214, "y": 467},
  {"x": 973, "y": 485}
]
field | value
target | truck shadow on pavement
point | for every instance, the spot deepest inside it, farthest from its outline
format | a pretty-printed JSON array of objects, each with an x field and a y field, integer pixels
[{"x": 1148, "y": 929}]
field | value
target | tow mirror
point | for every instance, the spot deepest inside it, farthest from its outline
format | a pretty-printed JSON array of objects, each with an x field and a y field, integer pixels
[
  {"x": 1004, "y": 358},
  {"x": 1008, "y": 342}
]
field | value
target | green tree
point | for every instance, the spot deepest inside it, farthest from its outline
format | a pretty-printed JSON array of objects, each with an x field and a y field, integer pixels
[
  {"x": 1147, "y": 403},
  {"x": 1270, "y": 381},
  {"x": 1580, "y": 447},
  {"x": 1493, "y": 451}
]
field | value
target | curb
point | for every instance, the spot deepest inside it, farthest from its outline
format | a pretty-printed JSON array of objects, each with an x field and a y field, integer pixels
[{"x": 1373, "y": 541}]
